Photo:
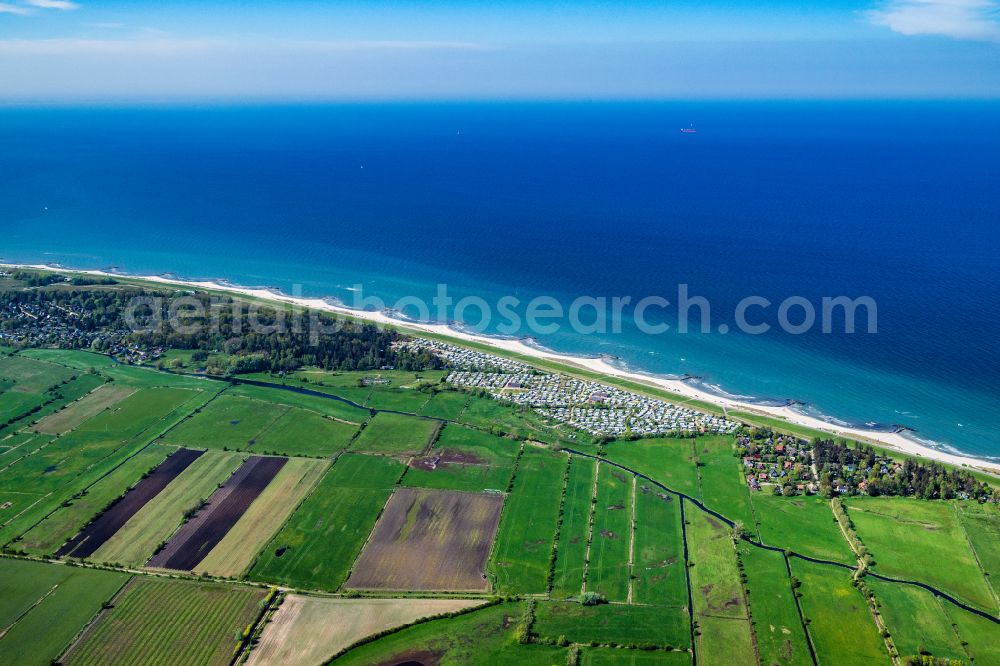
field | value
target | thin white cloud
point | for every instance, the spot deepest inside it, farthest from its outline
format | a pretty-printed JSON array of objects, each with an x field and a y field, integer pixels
[
  {"x": 960, "y": 19},
  {"x": 7, "y": 8},
  {"x": 52, "y": 4}
]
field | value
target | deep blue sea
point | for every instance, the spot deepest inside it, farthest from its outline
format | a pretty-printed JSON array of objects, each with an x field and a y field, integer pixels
[{"x": 896, "y": 201}]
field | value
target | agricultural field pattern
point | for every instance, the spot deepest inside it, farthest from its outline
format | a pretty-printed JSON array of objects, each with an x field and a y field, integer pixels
[{"x": 394, "y": 517}]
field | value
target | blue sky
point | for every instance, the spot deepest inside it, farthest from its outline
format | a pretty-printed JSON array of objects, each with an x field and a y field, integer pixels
[{"x": 67, "y": 50}]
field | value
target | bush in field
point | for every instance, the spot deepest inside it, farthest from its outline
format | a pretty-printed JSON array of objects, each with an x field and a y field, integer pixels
[{"x": 591, "y": 599}]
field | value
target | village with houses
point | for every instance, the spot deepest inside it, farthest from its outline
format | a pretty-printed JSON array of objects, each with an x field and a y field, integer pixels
[
  {"x": 28, "y": 320},
  {"x": 777, "y": 463}
]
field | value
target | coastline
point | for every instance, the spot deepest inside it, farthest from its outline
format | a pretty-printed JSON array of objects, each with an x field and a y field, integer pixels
[{"x": 677, "y": 387}]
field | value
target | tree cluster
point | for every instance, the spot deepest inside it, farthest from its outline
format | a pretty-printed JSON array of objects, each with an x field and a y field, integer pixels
[
  {"x": 257, "y": 338},
  {"x": 849, "y": 469}
]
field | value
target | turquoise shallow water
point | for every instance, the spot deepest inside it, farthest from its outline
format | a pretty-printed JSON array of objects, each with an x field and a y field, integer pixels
[{"x": 894, "y": 201}]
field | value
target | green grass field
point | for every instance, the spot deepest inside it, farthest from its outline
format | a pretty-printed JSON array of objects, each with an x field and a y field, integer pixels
[
  {"x": 447, "y": 405},
  {"x": 26, "y": 383},
  {"x": 916, "y": 621},
  {"x": 72, "y": 358},
  {"x": 911, "y": 538},
  {"x": 142, "y": 377},
  {"x": 397, "y": 399},
  {"x": 479, "y": 638},
  {"x": 72, "y": 463},
  {"x": 617, "y": 657},
  {"x": 660, "y": 572},
  {"x": 405, "y": 379},
  {"x": 981, "y": 636},
  {"x": 803, "y": 524},
  {"x": 489, "y": 449},
  {"x": 159, "y": 621},
  {"x": 470, "y": 460},
  {"x": 62, "y": 398},
  {"x": 724, "y": 640},
  {"x": 395, "y": 434},
  {"x": 613, "y": 624},
  {"x": 326, "y": 406},
  {"x": 228, "y": 422},
  {"x": 153, "y": 524},
  {"x": 520, "y": 423},
  {"x": 572, "y": 552},
  {"x": 141, "y": 411},
  {"x": 318, "y": 545},
  {"x": 669, "y": 461},
  {"x": 520, "y": 562},
  {"x": 44, "y": 606},
  {"x": 608, "y": 572},
  {"x": 780, "y": 636},
  {"x": 303, "y": 433},
  {"x": 105, "y": 396},
  {"x": 723, "y": 487},
  {"x": 723, "y": 633},
  {"x": 46, "y": 537},
  {"x": 715, "y": 578},
  {"x": 981, "y": 523},
  {"x": 837, "y": 615}
]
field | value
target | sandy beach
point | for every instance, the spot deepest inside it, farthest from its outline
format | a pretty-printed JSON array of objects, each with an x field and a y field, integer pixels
[{"x": 681, "y": 389}]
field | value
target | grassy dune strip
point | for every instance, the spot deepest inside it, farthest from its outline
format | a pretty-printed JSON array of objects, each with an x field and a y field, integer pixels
[
  {"x": 67, "y": 521},
  {"x": 265, "y": 516},
  {"x": 135, "y": 542}
]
